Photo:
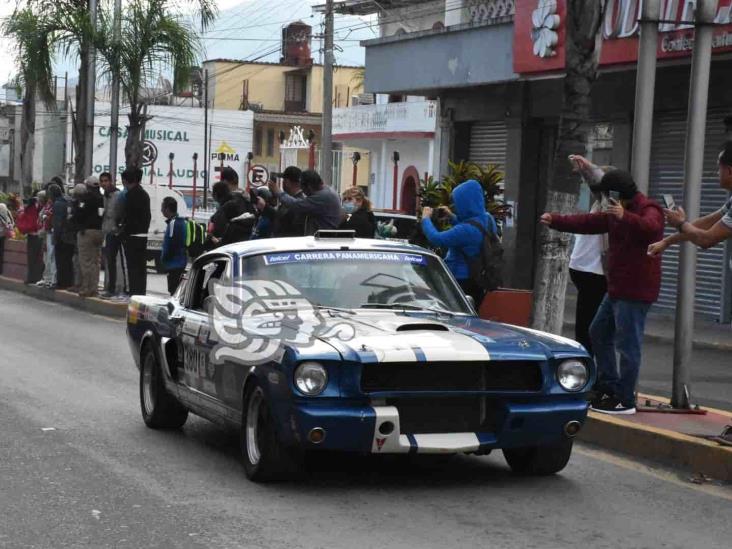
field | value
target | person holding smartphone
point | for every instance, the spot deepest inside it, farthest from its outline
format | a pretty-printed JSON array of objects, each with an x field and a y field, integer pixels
[
  {"x": 632, "y": 221},
  {"x": 706, "y": 231},
  {"x": 587, "y": 262}
]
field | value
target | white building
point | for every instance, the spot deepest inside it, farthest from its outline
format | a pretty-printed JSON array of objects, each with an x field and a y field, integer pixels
[{"x": 400, "y": 138}]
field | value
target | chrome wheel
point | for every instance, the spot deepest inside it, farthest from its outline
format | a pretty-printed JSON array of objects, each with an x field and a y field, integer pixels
[
  {"x": 148, "y": 383},
  {"x": 254, "y": 408}
]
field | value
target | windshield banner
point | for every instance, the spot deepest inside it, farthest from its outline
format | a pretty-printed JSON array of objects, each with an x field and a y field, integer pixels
[{"x": 309, "y": 257}]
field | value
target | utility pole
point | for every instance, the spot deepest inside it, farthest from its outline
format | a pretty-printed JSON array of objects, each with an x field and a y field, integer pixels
[
  {"x": 693, "y": 166},
  {"x": 114, "y": 116},
  {"x": 205, "y": 139},
  {"x": 326, "y": 145},
  {"x": 645, "y": 84},
  {"x": 90, "y": 92}
]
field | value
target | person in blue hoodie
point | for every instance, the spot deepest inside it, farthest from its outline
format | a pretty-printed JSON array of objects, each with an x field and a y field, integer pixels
[
  {"x": 173, "y": 254},
  {"x": 463, "y": 240}
]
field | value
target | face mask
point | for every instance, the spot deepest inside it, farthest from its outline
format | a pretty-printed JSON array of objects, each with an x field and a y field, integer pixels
[{"x": 349, "y": 207}]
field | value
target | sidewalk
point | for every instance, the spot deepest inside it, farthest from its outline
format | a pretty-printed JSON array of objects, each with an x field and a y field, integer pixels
[
  {"x": 686, "y": 441},
  {"x": 660, "y": 329}
]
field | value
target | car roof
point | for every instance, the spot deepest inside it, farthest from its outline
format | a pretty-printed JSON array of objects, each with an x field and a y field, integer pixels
[{"x": 307, "y": 243}]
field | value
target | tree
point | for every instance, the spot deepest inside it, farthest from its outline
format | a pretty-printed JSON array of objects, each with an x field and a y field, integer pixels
[
  {"x": 152, "y": 41},
  {"x": 32, "y": 33},
  {"x": 583, "y": 43}
]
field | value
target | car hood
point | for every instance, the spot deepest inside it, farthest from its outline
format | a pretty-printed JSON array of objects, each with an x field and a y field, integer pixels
[{"x": 386, "y": 336}]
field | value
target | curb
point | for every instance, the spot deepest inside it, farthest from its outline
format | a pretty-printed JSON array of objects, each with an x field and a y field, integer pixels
[
  {"x": 657, "y": 338},
  {"x": 89, "y": 304},
  {"x": 696, "y": 455}
]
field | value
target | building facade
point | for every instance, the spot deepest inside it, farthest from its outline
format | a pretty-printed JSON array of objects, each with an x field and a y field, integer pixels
[
  {"x": 496, "y": 68},
  {"x": 283, "y": 96}
]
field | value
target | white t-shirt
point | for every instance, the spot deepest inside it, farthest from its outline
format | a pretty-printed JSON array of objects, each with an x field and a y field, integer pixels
[
  {"x": 727, "y": 213},
  {"x": 587, "y": 252}
]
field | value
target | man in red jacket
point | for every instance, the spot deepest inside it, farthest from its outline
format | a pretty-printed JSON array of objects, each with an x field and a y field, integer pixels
[{"x": 632, "y": 222}]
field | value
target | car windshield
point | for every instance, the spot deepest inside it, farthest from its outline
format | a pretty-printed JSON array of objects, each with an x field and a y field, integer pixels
[{"x": 353, "y": 279}]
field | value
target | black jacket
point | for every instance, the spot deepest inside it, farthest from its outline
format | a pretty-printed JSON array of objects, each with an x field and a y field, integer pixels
[
  {"x": 136, "y": 212},
  {"x": 87, "y": 212},
  {"x": 286, "y": 222},
  {"x": 225, "y": 228},
  {"x": 362, "y": 221}
]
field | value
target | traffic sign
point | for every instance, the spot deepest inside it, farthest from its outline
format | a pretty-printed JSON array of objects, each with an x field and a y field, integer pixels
[{"x": 258, "y": 175}]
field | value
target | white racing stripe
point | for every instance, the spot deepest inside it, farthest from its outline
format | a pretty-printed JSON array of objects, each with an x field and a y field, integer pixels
[{"x": 432, "y": 346}]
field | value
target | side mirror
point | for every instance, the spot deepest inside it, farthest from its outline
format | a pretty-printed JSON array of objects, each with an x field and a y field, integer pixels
[{"x": 471, "y": 301}]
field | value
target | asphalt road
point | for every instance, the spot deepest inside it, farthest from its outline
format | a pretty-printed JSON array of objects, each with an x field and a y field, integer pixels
[{"x": 79, "y": 469}]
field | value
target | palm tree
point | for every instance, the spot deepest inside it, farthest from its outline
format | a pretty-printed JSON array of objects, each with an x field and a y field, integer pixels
[
  {"x": 152, "y": 41},
  {"x": 32, "y": 33}
]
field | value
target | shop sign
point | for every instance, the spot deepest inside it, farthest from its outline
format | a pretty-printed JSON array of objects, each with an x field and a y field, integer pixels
[{"x": 540, "y": 32}]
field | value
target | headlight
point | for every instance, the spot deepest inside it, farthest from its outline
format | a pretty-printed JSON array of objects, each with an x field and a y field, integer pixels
[
  {"x": 572, "y": 375},
  {"x": 311, "y": 378}
]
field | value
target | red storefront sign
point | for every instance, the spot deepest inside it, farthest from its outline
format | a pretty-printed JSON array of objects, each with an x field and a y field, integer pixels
[{"x": 539, "y": 33}]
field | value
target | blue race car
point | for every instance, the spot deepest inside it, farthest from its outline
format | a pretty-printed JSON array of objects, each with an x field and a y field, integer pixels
[{"x": 368, "y": 346}]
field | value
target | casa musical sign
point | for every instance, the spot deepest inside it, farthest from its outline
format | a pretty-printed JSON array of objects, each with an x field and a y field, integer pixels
[{"x": 540, "y": 32}]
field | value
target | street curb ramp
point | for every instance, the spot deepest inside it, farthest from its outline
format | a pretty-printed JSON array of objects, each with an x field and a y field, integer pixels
[
  {"x": 90, "y": 304},
  {"x": 695, "y": 454}
]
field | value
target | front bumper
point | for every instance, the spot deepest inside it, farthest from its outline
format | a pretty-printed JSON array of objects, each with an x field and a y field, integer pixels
[{"x": 366, "y": 429}]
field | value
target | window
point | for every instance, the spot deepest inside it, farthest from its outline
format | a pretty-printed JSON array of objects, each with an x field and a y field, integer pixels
[
  {"x": 295, "y": 85},
  {"x": 270, "y": 142},
  {"x": 258, "y": 141},
  {"x": 206, "y": 273}
]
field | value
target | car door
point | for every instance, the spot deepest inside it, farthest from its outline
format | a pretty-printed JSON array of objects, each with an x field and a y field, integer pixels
[{"x": 197, "y": 341}]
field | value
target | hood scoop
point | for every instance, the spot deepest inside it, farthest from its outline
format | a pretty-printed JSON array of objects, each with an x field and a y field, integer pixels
[{"x": 422, "y": 326}]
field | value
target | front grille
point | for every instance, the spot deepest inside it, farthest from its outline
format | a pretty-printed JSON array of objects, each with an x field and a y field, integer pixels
[
  {"x": 444, "y": 415},
  {"x": 495, "y": 375}
]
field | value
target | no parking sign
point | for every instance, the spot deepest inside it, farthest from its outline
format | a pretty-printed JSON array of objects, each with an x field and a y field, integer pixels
[{"x": 258, "y": 175}]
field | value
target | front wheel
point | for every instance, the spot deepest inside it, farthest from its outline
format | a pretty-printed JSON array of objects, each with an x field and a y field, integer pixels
[
  {"x": 539, "y": 460},
  {"x": 159, "y": 409},
  {"x": 265, "y": 458}
]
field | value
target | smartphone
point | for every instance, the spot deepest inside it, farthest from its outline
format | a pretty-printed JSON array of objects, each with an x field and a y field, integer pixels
[
  {"x": 614, "y": 195},
  {"x": 668, "y": 199}
]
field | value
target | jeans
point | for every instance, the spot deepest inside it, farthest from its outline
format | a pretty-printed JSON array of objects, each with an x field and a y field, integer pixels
[
  {"x": 64, "y": 253},
  {"x": 115, "y": 275},
  {"x": 591, "y": 289},
  {"x": 49, "y": 275},
  {"x": 618, "y": 326},
  {"x": 34, "y": 255}
]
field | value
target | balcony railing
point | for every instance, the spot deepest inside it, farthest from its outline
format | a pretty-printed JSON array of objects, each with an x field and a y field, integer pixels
[{"x": 418, "y": 118}]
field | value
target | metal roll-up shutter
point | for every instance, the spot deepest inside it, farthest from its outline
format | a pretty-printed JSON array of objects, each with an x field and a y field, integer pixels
[
  {"x": 667, "y": 175},
  {"x": 488, "y": 141}
]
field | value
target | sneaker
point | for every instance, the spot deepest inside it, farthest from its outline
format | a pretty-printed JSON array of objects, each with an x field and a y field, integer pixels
[
  {"x": 120, "y": 298},
  {"x": 599, "y": 398},
  {"x": 614, "y": 407},
  {"x": 105, "y": 295},
  {"x": 41, "y": 284}
]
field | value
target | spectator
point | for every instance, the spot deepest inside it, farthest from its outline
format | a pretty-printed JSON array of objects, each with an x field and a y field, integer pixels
[
  {"x": 28, "y": 224},
  {"x": 133, "y": 233},
  {"x": 285, "y": 221},
  {"x": 7, "y": 228},
  {"x": 263, "y": 227},
  {"x": 114, "y": 275},
  {"x": 464, "y": 240},
  {"x": 359, "y": 216},
  {"x": 233, "y": 220},
  {"x": 321, "y": 204},
  {"x": 64, "y": 238},
  {"x": 634, "y": 279},
  {"x": 46, "y": 223},
  {"x": 89, "y": 237},
  {"x": 706, "y": 231},
  {"x": 586, "y": 264},
  {"x": 173, "y": 254}
]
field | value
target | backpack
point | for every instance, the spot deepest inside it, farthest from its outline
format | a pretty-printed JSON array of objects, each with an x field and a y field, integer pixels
[
  {"x": 195, "y": 238},
  {"x": 486, "y": 268}
]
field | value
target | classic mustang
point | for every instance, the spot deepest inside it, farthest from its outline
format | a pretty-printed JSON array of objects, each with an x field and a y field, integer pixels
[{"x": 336, "y": 343}]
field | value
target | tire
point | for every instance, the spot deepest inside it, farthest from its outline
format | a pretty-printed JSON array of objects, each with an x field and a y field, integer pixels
[
  {"x": 539, "y": 460},
  {"x": 265, "y": 458},
  {"x": 160, "y": 410}
]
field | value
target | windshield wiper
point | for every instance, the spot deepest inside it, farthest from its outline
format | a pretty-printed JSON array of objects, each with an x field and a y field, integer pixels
[{"x": 405, "y": 307}]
